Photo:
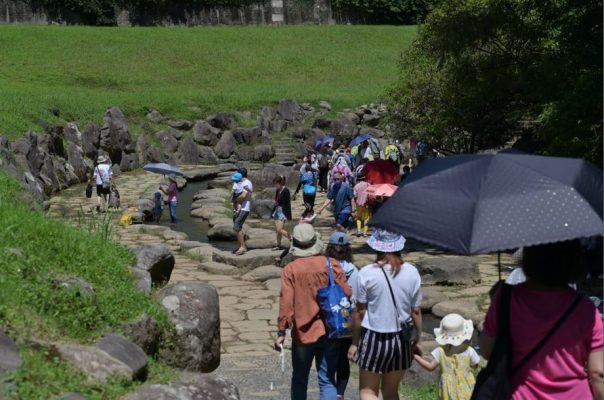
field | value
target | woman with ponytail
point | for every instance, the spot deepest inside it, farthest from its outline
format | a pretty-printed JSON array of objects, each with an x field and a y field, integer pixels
[{"x": 283, "y": 209}]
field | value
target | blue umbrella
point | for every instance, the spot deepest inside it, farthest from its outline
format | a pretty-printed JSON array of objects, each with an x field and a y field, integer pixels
[
  {"x": 163, "y": 169},
  {"x": 323, "y": 141},
  {"x": 360, "y": 139}
]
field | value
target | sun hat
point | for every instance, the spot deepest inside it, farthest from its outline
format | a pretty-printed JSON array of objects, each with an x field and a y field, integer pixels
[
  {"x": 243, "y": 172},
  {"x": 102, "y": 159},
  {"x": 454, "y": 330},
  {"x": 237, "y": 177},
  {"x": 172, "y": 178},
  {"x": 306, "y": 241},
  {"x": 339, "y": 239},
  {"x": 386, "y": 242}
]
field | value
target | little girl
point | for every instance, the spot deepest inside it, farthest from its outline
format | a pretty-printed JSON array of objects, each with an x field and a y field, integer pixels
[{"x": 456, "y": 358}]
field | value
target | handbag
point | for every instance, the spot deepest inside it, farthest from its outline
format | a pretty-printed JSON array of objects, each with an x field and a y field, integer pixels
[
  {"x": 336, "y": 307},
  {"x": 494, "y": 382},
  {"x": 89, "y": 190},
  {"x": 407, "y": 327}
]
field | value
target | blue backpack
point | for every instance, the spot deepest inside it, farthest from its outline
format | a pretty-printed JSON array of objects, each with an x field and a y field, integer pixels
[{"x": 336, "y": 307}]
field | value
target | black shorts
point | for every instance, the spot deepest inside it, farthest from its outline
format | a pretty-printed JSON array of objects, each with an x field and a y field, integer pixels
[
  {"x": 100, "y": 191},
  {"x": 239, "y": 220},
  {"x": 384, "y": 352}
]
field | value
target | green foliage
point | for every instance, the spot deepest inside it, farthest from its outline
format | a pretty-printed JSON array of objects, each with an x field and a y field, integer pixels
[
  {"x": 480, "y": 70},
  {"x": 46, "y": 377},
  {"x": 387, "y": 11},
  {"x": 35, "y": 251},
  {"x": 419, "y": 393},
  {"x": 82, "y": 70}
]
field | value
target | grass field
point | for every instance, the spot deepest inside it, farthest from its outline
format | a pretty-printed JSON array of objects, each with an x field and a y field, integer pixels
[
  {"x": 82, "y": 70},
  {"x": 36, "y": 251}
]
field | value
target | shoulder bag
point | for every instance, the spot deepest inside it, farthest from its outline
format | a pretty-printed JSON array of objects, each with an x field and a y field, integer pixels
[
  {"x": 407, "y": 327},
  {"x": 494, "y": 382}
]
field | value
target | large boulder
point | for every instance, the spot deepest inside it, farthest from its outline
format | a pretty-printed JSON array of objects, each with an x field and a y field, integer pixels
[
  {"x": 263, "y": 152},
  {"x": 72, "y": 133},
  {"x": 244, "y": 153},
  {"x": 10, "y": 360},
  {"x": 194, "y": 311},
  {"x": 268, "y": 113},
  {"x": 155, "y": 116},
  {"x": 207, "y": 155},
  {"x": 127, "y": 352},
  {"x": 205, "y": 387},
  {"x": 430, "y": 297},
  {"x": 188, "y": 150},
  {"x": 225, "y": 146},
  {"x": 201, "y": 176},
  {"x": 262, "y": 208},
  {"x": 246, "y": 135},
  {"x": 75, "y": 157},
  {"x": 290, "y": 111},
  {"x": 167, "y": 141},
  {"x": 449, "y": 270},
  {"x": 96, "y": 364},
  {"x": 91, "y": 138},
  {"x": 145, "y": 332},
  {"x": 344, "y": 129},
  {"x": 264, "y": 177},
  {"x": 156, "y": 259},
  {"x": 223, "y": 120},
  {"x": 115, "y": 137},
  {"x": 205, "y": 134},
  {"x": 180, "y": 124},
  {"x": 262, "y": 274}
]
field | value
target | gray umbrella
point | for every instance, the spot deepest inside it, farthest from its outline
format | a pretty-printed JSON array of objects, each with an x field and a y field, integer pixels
[
  {"x": 163, "y": 169},
  {"x": 474, "y": 204}
]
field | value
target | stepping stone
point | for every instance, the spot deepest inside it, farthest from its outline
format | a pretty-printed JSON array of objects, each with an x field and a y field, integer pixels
[
  {"x": 430, "y": 297},
  {"x": 190, "y": 244},
  {"x": 201, "y": 253},
  {"x": 248, "y": 261},
  {"x": 219, "y": 268},
  {"x": 262, "y": 274}
]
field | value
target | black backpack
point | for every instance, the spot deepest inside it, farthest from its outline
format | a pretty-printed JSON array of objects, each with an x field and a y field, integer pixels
[{"x": 494, "y": 382}]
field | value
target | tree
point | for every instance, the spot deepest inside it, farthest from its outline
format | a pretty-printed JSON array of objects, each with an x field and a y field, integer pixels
[{"x": 482, "y": 71}]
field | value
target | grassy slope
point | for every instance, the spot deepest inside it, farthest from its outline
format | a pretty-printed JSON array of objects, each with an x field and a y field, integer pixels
[
  {"x": 35, "y": 250},
  {"x": 82, "y": 70}
]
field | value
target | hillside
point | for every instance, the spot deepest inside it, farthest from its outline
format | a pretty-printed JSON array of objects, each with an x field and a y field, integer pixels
[{"x": 61, "y": 74}]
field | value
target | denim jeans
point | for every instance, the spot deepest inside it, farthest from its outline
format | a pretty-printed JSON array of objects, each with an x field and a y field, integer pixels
[
  {"x": 325, "y": 354},
  {"x": 173, "y": 211}
]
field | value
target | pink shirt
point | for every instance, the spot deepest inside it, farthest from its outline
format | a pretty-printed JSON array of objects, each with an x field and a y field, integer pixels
[
  {"x": 557, "y": 372},
  {"x": 360, "y": 193}
]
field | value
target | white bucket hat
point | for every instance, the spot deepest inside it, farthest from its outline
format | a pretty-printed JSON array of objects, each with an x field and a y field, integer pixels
[
  {"x": 454, "y": 330},
  {"x": 306, "y": 241},
  {"x": 386, "y": 242},
  {"x": 102, "y": 159}
]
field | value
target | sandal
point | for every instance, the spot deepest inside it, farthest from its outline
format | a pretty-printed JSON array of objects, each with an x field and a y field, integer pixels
[
  {"x": 277, "y": 248},
  {"x": 240, "y": 252}
]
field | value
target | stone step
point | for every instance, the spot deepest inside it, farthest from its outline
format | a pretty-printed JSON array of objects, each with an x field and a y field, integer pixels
[
  {"x": 217, "y": 268},
  {"x": 248, "y": 261}
]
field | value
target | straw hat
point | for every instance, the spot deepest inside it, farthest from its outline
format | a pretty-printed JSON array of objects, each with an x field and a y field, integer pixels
[
  {"x": 453, "y": 330},
  {"x": 386, "y": 242},
  {"x": 102, "y": 159},
  {"x": 306, "y": 241},
  {"x": 172, "y": 178}
]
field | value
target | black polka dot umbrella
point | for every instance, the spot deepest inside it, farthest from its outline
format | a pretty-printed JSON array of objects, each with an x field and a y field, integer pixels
[{"x": 484, "y": 203}]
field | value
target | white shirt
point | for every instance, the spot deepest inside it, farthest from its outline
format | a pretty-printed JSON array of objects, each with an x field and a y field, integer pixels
[
  {"x": 372, "y": 289},
  {"x": 239, "y": 187},
  {"x": 102, "y": 172},
  {"x": 469, "y": 352}
]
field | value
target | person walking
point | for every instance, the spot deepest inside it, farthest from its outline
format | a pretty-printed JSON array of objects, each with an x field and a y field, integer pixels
[
  {"x": 103, "y": 178},
  {"x": 242, "y": 188},
  {"x": 342, "y": 196},
  {"x": 172, "y": 192},
  {"x": 388, "y": 318},
  {"x": 569, "y": 363},
  {"x": 455, "y": 357},
  {"x": 299, "y": 311},
  {"x": 339, "y": 249},
  {"x": 308, "y": 183},
  {"x": 363, "y": 214},
  {"x": 324, "y": 161},
  {"x": 282, "y": 211}
]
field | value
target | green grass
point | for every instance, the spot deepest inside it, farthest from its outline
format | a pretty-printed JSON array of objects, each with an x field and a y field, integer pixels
[
  {"x": 34, "y": 251},
  {"x": 188, "y": 72},
  {"x": 419, "y": 393}
]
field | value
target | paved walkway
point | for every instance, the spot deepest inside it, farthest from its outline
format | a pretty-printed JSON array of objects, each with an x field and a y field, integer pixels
[{"x": 248, "y": 309}]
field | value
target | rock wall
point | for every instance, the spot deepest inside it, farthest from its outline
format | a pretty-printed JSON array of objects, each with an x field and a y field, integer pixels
[{"x": 64, "y": 155}]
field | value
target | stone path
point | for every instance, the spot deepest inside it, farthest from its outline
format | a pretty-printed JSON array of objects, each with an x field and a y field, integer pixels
[{"x": 248, "y": 309}]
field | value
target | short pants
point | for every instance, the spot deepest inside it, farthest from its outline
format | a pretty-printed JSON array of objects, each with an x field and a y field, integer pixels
[
  {"x": 239, "y": 219},
  {"x": 278, "y": 214},
  {"x": 100, "y": 191}
]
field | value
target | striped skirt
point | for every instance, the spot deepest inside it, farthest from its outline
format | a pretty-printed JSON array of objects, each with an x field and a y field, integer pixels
[{"x": 384, "y": 352}]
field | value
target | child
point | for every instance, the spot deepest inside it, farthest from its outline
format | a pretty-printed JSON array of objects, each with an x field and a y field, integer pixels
[
  {"x": 456, "y": 357},
  {"x": 363, "y": 214},
  {"x": 237, "y": 191},
  {"x": 308, "y": 216},
  {"x": 157, "y": 208}
]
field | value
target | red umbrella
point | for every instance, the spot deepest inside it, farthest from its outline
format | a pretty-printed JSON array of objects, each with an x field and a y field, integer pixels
[
  {"x": 380, "y": 171},
  {"x": 381, "y": 190}
]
